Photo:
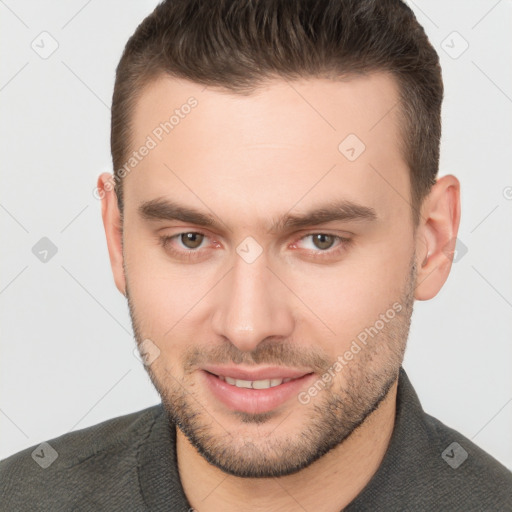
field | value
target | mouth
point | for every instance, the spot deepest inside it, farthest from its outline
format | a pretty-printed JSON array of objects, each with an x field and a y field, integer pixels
[
  {"x": 255, "y": 395},
  {"x": 255, "y": 384}
]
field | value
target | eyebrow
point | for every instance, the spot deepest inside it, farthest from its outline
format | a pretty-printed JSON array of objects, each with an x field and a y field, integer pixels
[{"x": 341, "y": 210}]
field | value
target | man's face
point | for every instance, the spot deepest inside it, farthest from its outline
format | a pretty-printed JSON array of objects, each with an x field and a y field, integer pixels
[{"x": 252, "y": 290}]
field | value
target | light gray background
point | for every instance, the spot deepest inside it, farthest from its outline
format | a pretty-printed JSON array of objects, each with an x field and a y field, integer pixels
[{"x": 67, "y": 358}]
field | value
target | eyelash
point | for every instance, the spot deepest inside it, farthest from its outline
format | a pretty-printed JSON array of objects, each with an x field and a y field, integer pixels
[{"x": 195, "y": 253}]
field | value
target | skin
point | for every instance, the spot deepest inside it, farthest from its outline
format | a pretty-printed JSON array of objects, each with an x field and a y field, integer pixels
[{"x": 246, "y": 160}]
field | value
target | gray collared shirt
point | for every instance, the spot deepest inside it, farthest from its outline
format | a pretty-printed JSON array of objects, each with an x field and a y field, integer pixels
[{"x": 129, "y": 464}]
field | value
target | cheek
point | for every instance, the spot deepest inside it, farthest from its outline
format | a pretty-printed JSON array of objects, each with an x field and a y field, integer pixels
[
  {"x": 171, "y": 301},
  {"x": 350, "y": 296},
  {"x": 156, "y": 289}
]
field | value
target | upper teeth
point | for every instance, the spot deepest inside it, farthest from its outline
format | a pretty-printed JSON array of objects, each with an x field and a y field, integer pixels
[{"x": 254, "y": 384}]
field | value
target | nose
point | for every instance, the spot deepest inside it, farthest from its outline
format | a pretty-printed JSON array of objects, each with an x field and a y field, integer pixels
[{"x": 252, "y": 305}]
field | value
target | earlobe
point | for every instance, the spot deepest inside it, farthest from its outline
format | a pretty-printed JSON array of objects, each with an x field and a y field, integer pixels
[
  {"x": 112, "y": 224},
  {"x": 436, "y": 236}
]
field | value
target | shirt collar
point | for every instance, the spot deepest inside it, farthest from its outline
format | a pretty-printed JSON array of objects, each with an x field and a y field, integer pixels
[{"x": 409, "y": 442}]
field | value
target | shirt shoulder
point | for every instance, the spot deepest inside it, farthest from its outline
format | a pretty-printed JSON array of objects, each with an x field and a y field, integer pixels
[
  {"x": 462, "y": 474},
  {"x": 89, "y": 469},
  {"x": 429, "y": 466}
]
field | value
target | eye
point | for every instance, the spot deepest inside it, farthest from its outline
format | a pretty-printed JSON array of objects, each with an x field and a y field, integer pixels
[
  {"x": 188, "y": 245},
  {"x": 323, "y": 245},
  {"x": 322, "y": 241},
  {"x": 185, "y": 245},
  {"x": 191, "y": 240}
]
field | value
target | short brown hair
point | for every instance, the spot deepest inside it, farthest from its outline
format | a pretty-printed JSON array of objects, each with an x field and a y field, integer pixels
[{"x": 239, "y": 44}]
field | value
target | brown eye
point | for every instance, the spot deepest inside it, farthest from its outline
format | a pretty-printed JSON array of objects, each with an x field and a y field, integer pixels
[
  {"x": 191, "y": 240},
  {"x": 323, "y": 241}
]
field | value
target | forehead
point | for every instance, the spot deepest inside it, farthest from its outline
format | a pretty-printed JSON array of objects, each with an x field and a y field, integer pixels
[
  {"x": 360, "y": 103},
  {"x": 284, "y": 140}
]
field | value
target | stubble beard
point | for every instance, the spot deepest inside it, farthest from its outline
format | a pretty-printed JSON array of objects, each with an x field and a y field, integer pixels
[{"x": 330, "y": 418}]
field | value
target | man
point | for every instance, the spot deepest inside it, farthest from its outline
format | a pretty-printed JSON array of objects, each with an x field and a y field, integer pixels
[{"x": 273, "y": 215}]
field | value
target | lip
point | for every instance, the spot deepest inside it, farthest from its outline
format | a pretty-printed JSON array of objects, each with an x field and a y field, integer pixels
[
  {"x": 254, "y": 401},
  {"x": 269, "y": 372}
]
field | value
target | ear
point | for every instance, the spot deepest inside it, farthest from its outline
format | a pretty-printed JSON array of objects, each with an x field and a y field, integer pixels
[
  {"x": 113, "y": 228},
  {"x": 436, "y": 236}
]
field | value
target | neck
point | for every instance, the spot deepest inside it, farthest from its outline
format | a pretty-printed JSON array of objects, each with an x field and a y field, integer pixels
[{"x": 339, "y": 476}]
